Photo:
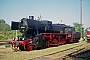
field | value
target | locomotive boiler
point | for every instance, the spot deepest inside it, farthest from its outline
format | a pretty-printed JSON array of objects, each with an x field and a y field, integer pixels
[{"x": 42, "y": 34}]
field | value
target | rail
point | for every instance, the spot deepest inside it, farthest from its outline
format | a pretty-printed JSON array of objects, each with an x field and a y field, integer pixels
[{"x": 63, "y": 57}]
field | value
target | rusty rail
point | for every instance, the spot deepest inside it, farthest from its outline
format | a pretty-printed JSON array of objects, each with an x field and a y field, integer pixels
[
  {"x": 72, "y": 53},
  {"x": 57, "y": 52},
  {"x": 3, "y": 40}
]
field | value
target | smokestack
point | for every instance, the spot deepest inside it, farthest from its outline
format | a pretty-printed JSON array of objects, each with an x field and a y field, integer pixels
[{"x": 31, "y": 17}]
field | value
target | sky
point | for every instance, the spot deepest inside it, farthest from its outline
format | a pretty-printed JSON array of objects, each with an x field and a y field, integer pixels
[{"x": 54, "y": 10}]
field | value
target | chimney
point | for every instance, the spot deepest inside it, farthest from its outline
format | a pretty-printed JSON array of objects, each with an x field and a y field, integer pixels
[{"x": 31, "y": 17}]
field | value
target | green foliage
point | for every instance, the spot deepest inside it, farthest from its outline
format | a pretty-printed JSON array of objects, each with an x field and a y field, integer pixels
[
  {"x": 77, "y": 28},
  {"x": 5, "y": 32},
  {"x": 83, "y": 32},
  {"x": 39, "y": 18},
  {"x": 4, "y": 26},
  {"x": 2, "y": 21},
  {"x": 9, "y": 34},
  {"x": 1, "y": 37}
]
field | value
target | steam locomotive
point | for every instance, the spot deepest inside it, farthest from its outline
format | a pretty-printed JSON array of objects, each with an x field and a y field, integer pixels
[{"x": 42, "y": 34}]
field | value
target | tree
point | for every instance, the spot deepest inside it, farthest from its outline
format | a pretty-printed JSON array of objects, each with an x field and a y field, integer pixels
[
  {"x": 39, "y": 18},
  {"x": 77, "y": 28},
  {"x": 5, "y": 32},
  {"x": 2, "y": 21},
  {"x": 4, "y": 26}
]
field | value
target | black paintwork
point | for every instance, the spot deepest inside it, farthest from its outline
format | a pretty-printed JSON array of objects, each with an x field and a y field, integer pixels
[{"x": 31, "y": 28}]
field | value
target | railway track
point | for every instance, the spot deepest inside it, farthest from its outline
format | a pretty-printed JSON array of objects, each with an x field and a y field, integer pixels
[
  {"x": 4, "y": 40},
  {"x": 73, "y": 52},
  {"x": 62, "y": 54}
]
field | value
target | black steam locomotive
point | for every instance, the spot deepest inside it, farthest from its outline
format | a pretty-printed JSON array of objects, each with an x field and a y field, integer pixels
[{"x": 41, "y": 34}]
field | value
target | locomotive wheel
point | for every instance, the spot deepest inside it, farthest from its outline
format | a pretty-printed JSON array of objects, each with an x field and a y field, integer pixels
[
  {"x": 21, "y": 48},
  {"x": 35, "y": 41},
  {"x": 35, "y": 47},
  {"x": 39, "y": 42},
  {"x": 44, "y": 44},
  {"x": 29, "y": 47}
]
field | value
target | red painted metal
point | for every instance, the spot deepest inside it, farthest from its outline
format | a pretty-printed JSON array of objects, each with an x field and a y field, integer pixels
[
  {"x": 52, "y": 39},
  {"x": 88, "y": 35},
  {"x": 30, "y": 47},
  {"x": 55, "y": 39},
  {"x": 26, "y": 44}
]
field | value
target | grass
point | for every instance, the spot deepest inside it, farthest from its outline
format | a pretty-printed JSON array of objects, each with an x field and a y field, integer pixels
[{"x": 9, "y": 54}]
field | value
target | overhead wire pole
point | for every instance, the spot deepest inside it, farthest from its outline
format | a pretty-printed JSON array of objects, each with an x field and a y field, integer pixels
[{"x": 81, "y": 18}]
